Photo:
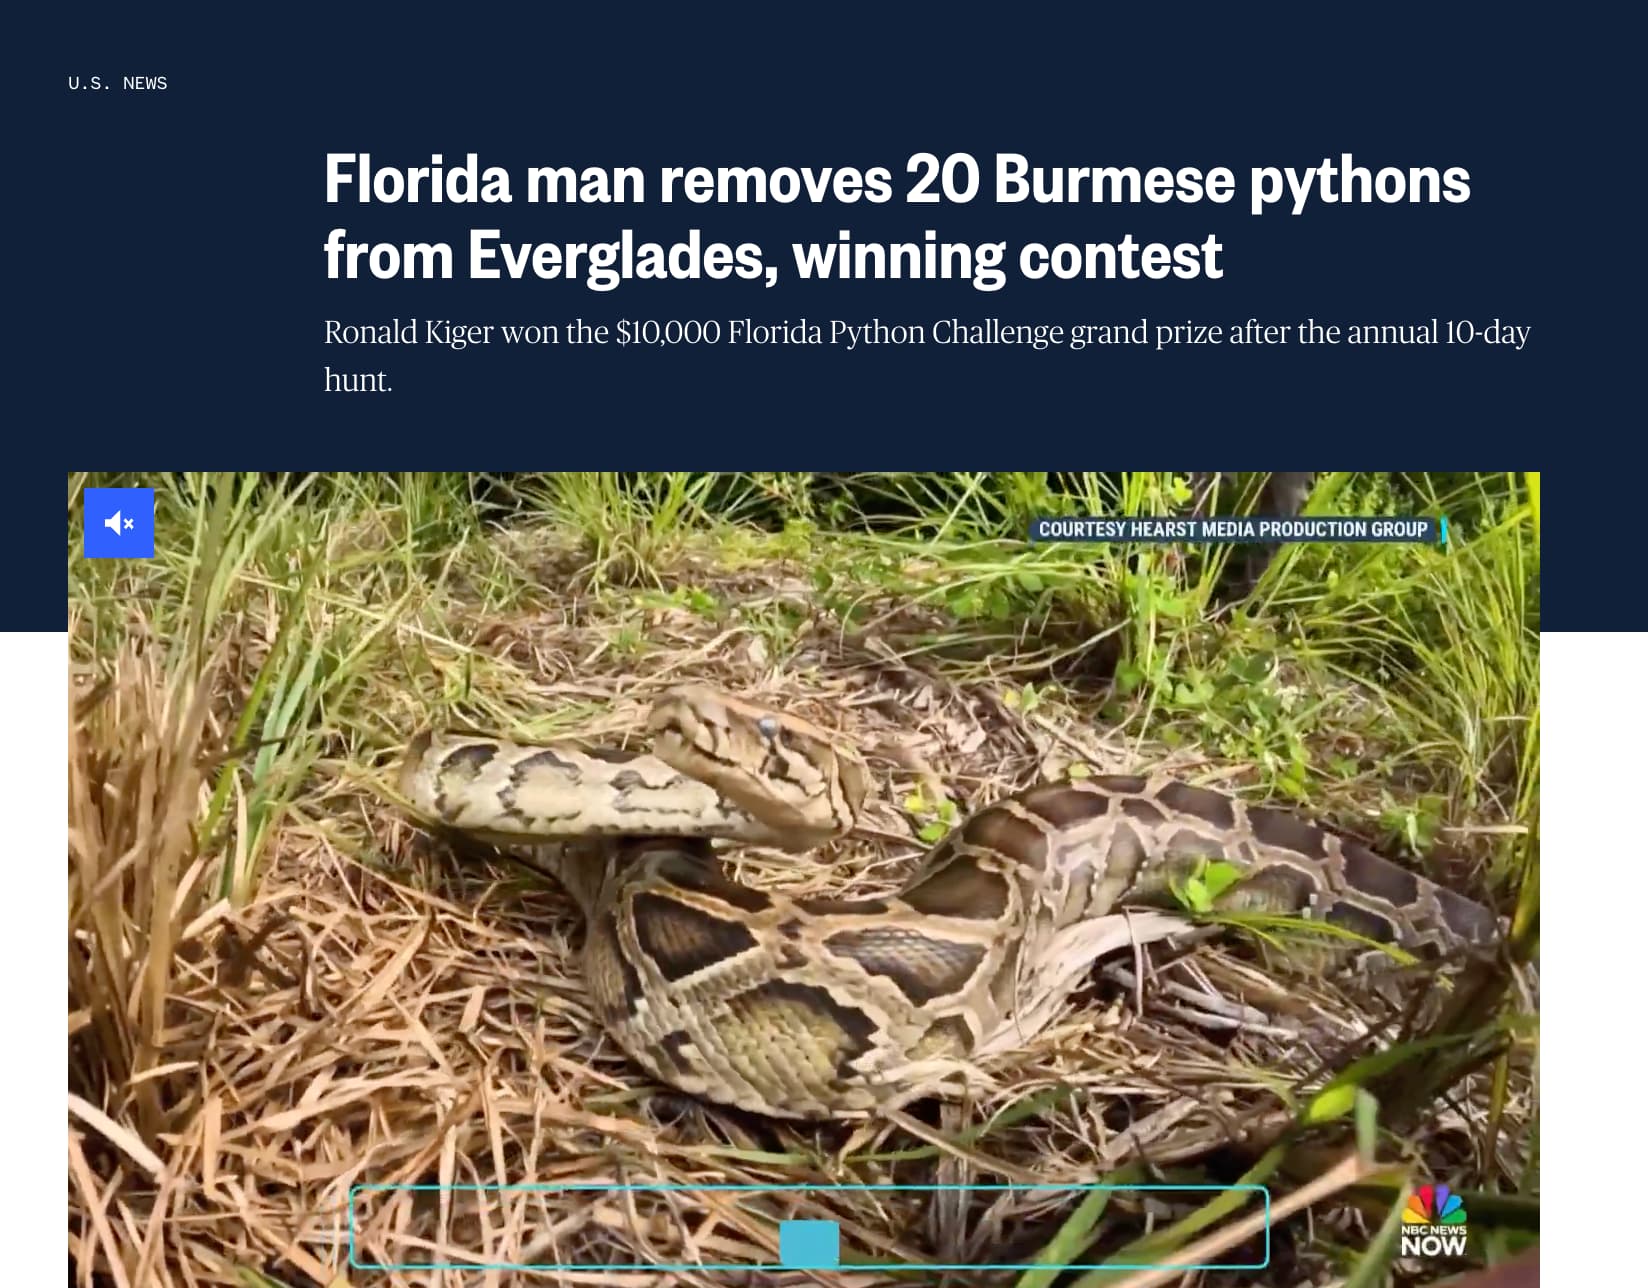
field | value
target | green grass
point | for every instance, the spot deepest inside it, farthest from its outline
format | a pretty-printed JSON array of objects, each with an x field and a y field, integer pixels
[
  {"x": 1349, "y": 666},
  {"x": 1404, "y": 679}
]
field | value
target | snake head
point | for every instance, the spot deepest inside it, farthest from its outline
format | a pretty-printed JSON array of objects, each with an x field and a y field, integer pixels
[{"x": 780, "y": 769}]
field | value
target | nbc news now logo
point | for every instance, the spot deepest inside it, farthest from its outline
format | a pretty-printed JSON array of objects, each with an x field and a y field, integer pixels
[{"x": 1433, "y": 1223}]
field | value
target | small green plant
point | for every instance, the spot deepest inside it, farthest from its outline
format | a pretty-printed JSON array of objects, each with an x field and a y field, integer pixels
[
  {"x": 1416, "y": 822},
  {"x": 1023, "y": 700},
  {"x": 935, "y": 818},
  {"x": 694, "y": 599},
  {"x": 1199, "y": 890}
]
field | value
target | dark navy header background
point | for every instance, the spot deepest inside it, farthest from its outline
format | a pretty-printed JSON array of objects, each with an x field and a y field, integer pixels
[{"x": 185, "y": 291}]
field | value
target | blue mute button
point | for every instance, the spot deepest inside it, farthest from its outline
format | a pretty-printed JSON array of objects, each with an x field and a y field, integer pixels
[
  {"x": 809, "y": 1245},
  {"x": 119, "y": 522}
]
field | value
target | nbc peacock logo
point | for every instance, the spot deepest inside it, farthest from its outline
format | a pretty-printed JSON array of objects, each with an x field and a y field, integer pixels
[{"x": 1433, "y": 1223}]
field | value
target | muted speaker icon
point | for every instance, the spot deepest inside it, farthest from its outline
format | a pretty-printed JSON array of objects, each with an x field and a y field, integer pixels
[{"x": 120, "y": 523}]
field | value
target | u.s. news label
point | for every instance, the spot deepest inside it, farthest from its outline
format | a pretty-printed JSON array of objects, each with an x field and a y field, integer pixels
[{"x": 1242, "y": 529}]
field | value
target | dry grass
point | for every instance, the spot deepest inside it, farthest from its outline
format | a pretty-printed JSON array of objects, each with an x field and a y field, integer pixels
[{"x": 378, "y": 1011}]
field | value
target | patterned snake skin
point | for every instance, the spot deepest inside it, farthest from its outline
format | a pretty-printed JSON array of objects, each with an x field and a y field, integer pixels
[{"x": 825, "y": 1008}]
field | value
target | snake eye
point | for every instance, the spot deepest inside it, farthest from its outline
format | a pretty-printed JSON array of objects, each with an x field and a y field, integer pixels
[{"x": 767, "y": 726}]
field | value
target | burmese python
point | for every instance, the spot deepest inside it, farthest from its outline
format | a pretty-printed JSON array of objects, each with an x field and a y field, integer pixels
[{"x": 814, "y": 1008}]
